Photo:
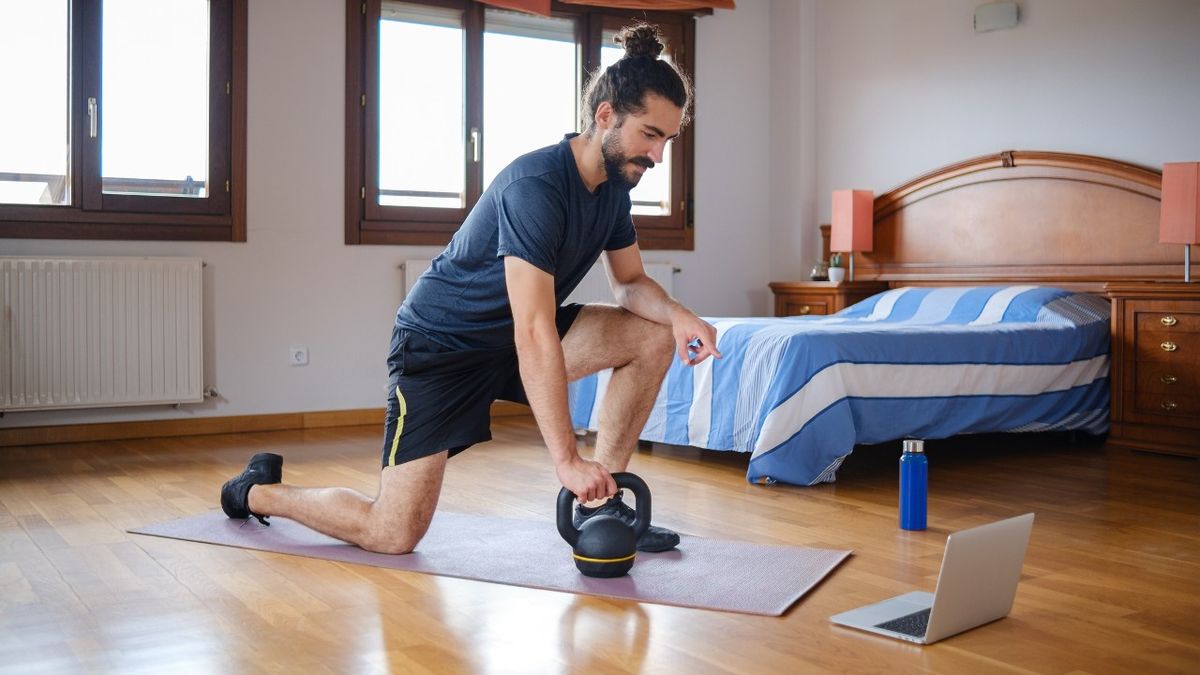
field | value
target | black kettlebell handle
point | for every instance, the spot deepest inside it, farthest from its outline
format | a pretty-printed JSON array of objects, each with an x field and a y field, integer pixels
[{"x": 624, "y": 480}]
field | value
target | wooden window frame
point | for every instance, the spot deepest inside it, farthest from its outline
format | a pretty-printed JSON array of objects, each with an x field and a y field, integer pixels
[
  {"x": 219, "y": 216},
  {"x": 366, "y": 222}
]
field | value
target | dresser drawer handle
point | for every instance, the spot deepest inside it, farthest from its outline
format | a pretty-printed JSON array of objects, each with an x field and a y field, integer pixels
[
  {"x": 1168, "y": 379},
  {"x": 1169, "y": 405},
  {"x": 1169, "y": 320},
  {"x": 805, "y": 309},
  {"x": 1169, "y": 346}
]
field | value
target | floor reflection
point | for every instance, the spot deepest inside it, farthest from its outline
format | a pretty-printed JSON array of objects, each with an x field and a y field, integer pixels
[{"x": 598, "y": 635}]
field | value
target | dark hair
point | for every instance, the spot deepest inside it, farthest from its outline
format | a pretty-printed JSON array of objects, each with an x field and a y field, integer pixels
[{"x": 625, "y": 83}]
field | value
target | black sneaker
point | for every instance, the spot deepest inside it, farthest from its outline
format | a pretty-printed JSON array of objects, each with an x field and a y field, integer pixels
[
  {"x": 265, "y": 468},
  {"x": 653, "y": 540}
]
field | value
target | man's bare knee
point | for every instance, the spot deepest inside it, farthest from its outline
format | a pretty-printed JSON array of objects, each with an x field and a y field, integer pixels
[
  {"x": 395, "y": 531},
  {"x": 392, "y": 542},
  {"x": 408, "y": 497},
  {"x": 604, "y": 336},
  {"x": 655, "y": 346},
  {"x": 659, "y": 342},
  {"x": 643, "y": 338}
]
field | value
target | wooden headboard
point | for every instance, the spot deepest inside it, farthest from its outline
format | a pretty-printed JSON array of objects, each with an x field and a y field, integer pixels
[{"x": 1022, "y": 216}]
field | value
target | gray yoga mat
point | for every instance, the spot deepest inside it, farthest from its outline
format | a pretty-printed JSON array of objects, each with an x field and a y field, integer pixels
[{"x": 715, "y": 574}]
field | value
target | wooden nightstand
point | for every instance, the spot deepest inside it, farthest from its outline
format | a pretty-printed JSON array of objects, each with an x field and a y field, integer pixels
[
  {"x": 1155, "y": 373},
  {"x": 797, "y": 298}
]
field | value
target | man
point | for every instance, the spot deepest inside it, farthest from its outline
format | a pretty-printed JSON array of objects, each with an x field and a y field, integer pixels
[{"x": 485, "y": 323}]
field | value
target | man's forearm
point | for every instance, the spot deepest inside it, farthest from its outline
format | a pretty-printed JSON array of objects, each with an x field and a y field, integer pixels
[
  {"x": 695, "y": 338},
  {"x": 647, "y": 299},
  {"x": 544, "y": 377}
]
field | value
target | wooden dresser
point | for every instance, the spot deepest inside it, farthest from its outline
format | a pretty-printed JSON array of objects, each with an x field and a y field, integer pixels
[
  {"x": 1156, "y": 366},
  {"x": 799, "y": 298}
]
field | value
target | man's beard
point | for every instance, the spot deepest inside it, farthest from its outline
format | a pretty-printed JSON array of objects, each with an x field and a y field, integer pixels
[{"x": 616, "y": 162}]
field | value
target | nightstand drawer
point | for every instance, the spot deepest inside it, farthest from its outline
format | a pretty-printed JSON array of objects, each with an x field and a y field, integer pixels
[
  {"x": 1166, "y": 378},
  {"x": 1186, "y": 407},
  {"x": 816, "y": 298},
  {"x": 1180, "y": 349},
  {"x": 799, "y": 305},
  {"x": 1166, "y": 321}
]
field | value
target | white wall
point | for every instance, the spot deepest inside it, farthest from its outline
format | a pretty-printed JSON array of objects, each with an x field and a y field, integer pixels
[
  {"x": 727, "y": 275},
  {"x": 294, "y": 281},
  {"x": 906, "y": 87},
  {"x": 793, "y": 155}
]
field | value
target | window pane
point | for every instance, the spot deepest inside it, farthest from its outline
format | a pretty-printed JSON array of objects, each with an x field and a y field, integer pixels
[
  {"x": 652, "y": 196},
  {"x": 519, "y": 49},
  {"x": 35, "y": 139},
  {"x": 421, "y": 107},
  {"x": 154, "y": 100}
]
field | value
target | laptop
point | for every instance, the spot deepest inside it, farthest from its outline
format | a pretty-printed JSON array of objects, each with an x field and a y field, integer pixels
[{"x": 977, "y": 584}]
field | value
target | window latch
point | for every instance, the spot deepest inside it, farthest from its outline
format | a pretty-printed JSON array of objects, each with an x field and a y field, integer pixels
[
  {"x": 474, "y": 144},
  {"x": 92, "y": 116}
]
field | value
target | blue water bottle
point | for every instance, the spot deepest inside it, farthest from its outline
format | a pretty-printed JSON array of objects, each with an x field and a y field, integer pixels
[{"x": 914, "y": 483}]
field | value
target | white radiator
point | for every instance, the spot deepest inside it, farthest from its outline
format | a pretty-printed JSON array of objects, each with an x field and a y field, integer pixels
[
  {"x": 593, "y": 288},
  {"x": 96, "y": 332},
  {"x": 413, "y": 269}
]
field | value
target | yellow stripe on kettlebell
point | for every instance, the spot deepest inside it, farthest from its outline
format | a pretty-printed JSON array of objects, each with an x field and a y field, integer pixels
[{"x": 603, "y": 560}]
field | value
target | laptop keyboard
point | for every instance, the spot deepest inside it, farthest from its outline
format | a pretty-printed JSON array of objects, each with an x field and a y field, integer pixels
[{"x": 912, "y": 624}]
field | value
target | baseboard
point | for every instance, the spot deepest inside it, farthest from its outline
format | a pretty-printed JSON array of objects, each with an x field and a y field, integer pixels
[{"x": 201, "y": 426}]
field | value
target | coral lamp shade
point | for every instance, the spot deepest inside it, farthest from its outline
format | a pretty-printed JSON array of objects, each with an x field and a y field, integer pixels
[
  {"x": 853, "y": 224},
  {"x": 1179, "y": 222}
]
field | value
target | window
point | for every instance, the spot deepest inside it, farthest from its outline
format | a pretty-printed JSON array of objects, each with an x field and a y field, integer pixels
[
  {"x": 426, "y": 127},
  {"x": 450, "y": 91},
  {"x": 519, "y": 49},
  {"x": 128, "y": 120}
]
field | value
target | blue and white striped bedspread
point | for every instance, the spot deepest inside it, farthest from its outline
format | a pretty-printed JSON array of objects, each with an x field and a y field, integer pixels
[{"x": 799, "y": 392}]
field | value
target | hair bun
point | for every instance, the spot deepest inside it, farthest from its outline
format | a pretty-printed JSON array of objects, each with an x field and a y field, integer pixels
[{"x": 640, "y": 40}]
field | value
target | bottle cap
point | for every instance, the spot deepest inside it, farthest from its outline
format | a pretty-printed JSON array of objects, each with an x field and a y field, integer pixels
[{"x": 914, "y": 445}]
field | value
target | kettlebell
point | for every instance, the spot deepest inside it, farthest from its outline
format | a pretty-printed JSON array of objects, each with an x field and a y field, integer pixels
[{"x": 605, "y": 546}]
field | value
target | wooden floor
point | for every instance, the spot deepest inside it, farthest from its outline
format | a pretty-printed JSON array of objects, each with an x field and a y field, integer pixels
[{"x": 1111, "y": 581}]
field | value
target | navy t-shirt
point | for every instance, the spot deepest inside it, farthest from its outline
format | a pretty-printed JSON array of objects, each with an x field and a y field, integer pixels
[{"x": 537, "y": 209}]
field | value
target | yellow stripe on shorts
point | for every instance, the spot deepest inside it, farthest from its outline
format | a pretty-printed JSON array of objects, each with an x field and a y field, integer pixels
[{"x": 399, "y": 427}]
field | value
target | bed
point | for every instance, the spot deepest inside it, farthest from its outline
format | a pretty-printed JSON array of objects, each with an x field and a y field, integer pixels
[
  {"x": 798, "y": 393},
  {"x": 995, "y": 321}
]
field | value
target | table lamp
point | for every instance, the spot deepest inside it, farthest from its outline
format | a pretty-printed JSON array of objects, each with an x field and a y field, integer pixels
[
  {"x": 1179, "y": 221},
  {"x": 853, "y": 224}
]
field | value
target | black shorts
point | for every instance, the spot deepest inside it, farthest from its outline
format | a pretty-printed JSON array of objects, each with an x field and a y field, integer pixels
[{"x": 440, "y": 398}]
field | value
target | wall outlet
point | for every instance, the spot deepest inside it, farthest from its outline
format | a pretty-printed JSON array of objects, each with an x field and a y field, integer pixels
[{"x": 298, "y": 356}]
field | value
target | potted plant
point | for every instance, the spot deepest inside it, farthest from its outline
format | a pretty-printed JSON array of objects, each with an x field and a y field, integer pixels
[{"x": 837, "y": 273}]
